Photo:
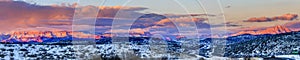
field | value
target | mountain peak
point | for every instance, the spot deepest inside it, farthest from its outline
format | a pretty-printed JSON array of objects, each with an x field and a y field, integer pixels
[
  {"x": 271, "y": 30},
  {"x": 278, "y": 29}
]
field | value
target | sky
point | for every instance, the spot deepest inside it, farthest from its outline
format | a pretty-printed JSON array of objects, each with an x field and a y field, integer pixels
[
  {"x": 169, "y": 6},
  {"x": 188, "y": 16}
]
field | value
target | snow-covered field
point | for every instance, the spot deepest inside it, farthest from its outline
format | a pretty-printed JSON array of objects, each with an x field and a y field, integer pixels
[
  {"x": 29, "y": 51},
  {"x": 103, "y": 51},
  {"x": 297, "y": 57}
]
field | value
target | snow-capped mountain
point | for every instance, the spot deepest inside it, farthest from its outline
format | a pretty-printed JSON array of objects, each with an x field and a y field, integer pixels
[
  {"x": 271, "y": 30},
  {"x": 39, "y": 36}
]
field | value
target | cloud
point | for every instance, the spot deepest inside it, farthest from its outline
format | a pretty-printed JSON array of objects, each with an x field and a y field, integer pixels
[
  {"x": 6, "y": 0},
  {"x": 110, "y": 11},
  {"x": 184, "y": 21},
  {"x": 171, "y": 22},
  {"x": 168, "y": 26},
  {"x": 188, "y": 15},
  {"x": 18, "y": 14},
  {"x": 231, "y": 24},
  {"x": 159, "y": 23},
  {"x": 295, "y": 26},
  {"x": 138, "y": 31},
  {"x": 153, "y": 19},
  {"x": 266, "y": 19}
]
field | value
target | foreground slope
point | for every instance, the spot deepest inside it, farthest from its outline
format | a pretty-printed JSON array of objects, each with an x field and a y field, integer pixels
[{"x": 265, "y": 45}]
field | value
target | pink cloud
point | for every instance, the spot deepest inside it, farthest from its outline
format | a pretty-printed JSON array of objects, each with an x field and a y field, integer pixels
[
  {"x": 18, "y": 14},
  {"x": 184, "y": 21},
  {"x": 295, "y": 26},
  {"x": 266, "y": 19},
  {"x": 6, "y": 0}
]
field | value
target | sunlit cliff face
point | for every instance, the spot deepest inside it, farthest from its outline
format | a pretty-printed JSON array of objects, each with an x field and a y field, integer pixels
[{"x": 27, "y": 36}]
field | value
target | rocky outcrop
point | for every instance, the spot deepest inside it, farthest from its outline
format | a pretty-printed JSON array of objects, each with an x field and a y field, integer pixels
[{"x": 37, "y": 36}]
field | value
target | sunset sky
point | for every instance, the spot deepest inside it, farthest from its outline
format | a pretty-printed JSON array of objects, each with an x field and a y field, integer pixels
[{"x": 58, "y": 15}]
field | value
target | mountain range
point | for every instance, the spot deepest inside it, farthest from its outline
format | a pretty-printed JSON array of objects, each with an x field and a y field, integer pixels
[
  {"x": 39, "y": 36},
  {"x": 271, "y": 30},
  {"x": 277, "y": 40},
  {"x": 263, "y": 45}
]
